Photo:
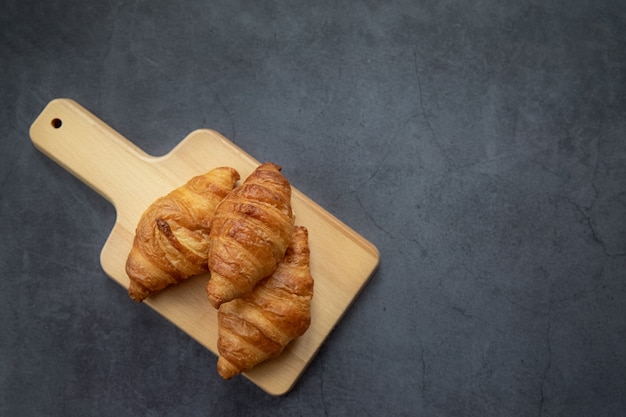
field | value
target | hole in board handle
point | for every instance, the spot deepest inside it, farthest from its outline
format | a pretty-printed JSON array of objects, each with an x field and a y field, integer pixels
[{"x": 56, "y": 123}]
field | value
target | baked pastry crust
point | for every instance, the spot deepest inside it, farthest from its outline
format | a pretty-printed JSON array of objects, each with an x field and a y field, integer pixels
[
  {"x": 251, "y": 229},
  {"x": 172, "y": 236},
  {"x": 260, "y": 325}
]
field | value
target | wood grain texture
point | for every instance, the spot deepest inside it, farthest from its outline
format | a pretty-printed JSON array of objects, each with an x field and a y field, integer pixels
[{"x": 342, "y": 261}]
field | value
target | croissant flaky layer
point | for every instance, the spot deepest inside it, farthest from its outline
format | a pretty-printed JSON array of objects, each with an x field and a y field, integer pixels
[
  {"x": 251, "y": 229},
  {"x": 259, "y": 326},
  {"x": 172, "y": 236}
]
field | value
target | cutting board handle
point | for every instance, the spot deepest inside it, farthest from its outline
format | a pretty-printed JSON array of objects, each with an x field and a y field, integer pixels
[{"x": 90, "y": 149}]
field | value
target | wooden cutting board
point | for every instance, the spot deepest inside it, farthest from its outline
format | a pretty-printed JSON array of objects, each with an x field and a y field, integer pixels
[{"x": 341, "y": 260}]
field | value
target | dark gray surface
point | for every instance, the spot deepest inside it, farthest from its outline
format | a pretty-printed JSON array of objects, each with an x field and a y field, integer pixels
[{"x": 481, "y": 146}]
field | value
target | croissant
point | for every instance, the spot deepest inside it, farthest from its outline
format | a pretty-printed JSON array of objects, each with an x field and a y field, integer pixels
[
  {"x": 172, "y": 236},
  {"x": 249, "y": 235},
  {"x": 258, "y": 326}
]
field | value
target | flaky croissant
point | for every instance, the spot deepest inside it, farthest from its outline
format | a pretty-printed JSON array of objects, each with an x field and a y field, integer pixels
[
  {"x": 172, "y": 236},
  {"x": 258, "y": 326},
  {"x": 249, "y": 234}
]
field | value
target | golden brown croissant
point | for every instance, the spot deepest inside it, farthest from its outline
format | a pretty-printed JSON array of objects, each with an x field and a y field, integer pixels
[
  {"x": 171, "y": 239},
  {"x": 258, "y": 326},
  {"x": 249, "y": 234}
]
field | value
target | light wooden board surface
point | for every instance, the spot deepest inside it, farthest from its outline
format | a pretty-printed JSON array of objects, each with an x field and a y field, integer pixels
[{"x": 341, "y": 260}]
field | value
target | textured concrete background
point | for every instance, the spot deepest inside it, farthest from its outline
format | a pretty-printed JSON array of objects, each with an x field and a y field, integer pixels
[{"x": 481, "y": 146}]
